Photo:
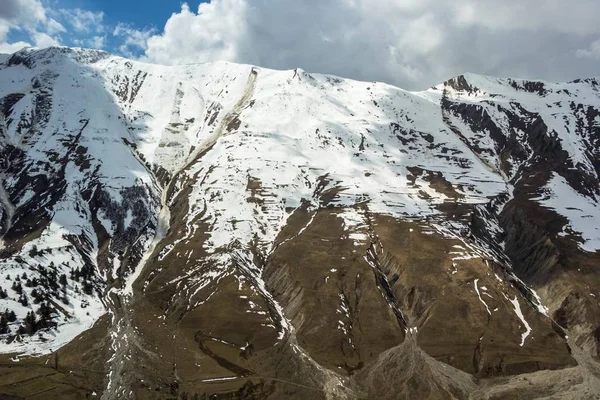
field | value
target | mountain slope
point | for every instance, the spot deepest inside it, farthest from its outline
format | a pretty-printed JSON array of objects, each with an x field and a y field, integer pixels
[{"x": 219, "y": 228}]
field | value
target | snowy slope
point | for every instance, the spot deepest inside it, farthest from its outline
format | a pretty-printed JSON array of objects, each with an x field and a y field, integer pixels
[{"x": 101, "y": 144}]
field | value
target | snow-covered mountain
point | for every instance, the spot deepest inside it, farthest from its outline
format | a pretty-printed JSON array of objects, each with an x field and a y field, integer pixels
[{"x": 223, "y": 229}]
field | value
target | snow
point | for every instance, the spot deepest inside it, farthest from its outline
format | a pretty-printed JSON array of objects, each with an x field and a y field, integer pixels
[
  {"x": 354, "y": 221},
  {"x": 80, "y": 115},
  {"x": 128, "y": 219},
  {"x": 519, "y": 313},
  {"x": 276, "y": 152},
  {"x": 228, "y": 378},
  {"x": 244, "y": 261},
  {"x": 583, "y": 213},
  {"x": 479, "y": 295}
]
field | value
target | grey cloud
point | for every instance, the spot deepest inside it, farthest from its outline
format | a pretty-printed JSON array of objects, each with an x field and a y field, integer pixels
[
  {"x": 22, "y": 12},
  {"x": 10, "y": 9}
]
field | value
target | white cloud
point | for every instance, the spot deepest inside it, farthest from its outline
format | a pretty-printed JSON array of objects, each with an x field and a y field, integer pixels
[
  {"x": 133, "y": 40},
  {"x": 84, "y": 20},
  {"x": 42, "y": 40},
  {"x": 8, "y": 48},
  {"x": 411, "y": 43},
  {"x": 97, "y": 42},
  {"x": 53, "y": 26},
  {"x": 94, "y": 42},
  {"x": 29, "y": 16},
  {"x": 212, "y": 34},
  {"x": 45, "y": 26}
]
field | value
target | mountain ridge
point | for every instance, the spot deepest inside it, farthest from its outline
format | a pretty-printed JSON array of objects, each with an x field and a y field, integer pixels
[{"x": 54, "y": 50}]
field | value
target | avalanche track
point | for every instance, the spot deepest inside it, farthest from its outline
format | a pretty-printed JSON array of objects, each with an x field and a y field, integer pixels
[
  {"x": 123, "y": 334},
  {"x": 9, "y": 210}
]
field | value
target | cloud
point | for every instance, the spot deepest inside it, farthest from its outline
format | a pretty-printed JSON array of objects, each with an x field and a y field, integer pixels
[
  {"x": 132, "y": 40},
  {"x": 24, "y": 12},
  {"x": 52, "y": 26},
  {"x": 29, "y": 16},
  {"x": 212, "y": 34},
  {"x": 8, "y": 48},
  {"x": 593, "y": 51},
  {"x": 42, "y": 40},
  {"x": 44, "y": 23},
  {"x": 97, "y": 42},
  {"x": 84, "y": 20},
  {"x": 94, "y": 42},
  {"x": 410, "y": 43},
  {"x": 555, "y": 15},
  {"x": 40, "y": 25}
]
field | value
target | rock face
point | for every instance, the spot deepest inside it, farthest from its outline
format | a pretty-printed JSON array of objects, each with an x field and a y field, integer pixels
[{"x": 223, "y": 231}]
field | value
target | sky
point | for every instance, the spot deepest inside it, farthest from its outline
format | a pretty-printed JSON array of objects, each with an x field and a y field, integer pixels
[{"x": 413, "y": 44}]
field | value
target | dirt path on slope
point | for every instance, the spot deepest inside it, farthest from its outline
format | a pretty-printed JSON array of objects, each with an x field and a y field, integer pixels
[{"x": 120, "y": 295}]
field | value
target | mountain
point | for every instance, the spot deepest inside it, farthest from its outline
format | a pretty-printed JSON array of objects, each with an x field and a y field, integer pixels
[{"x": 225, "y": 231}]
